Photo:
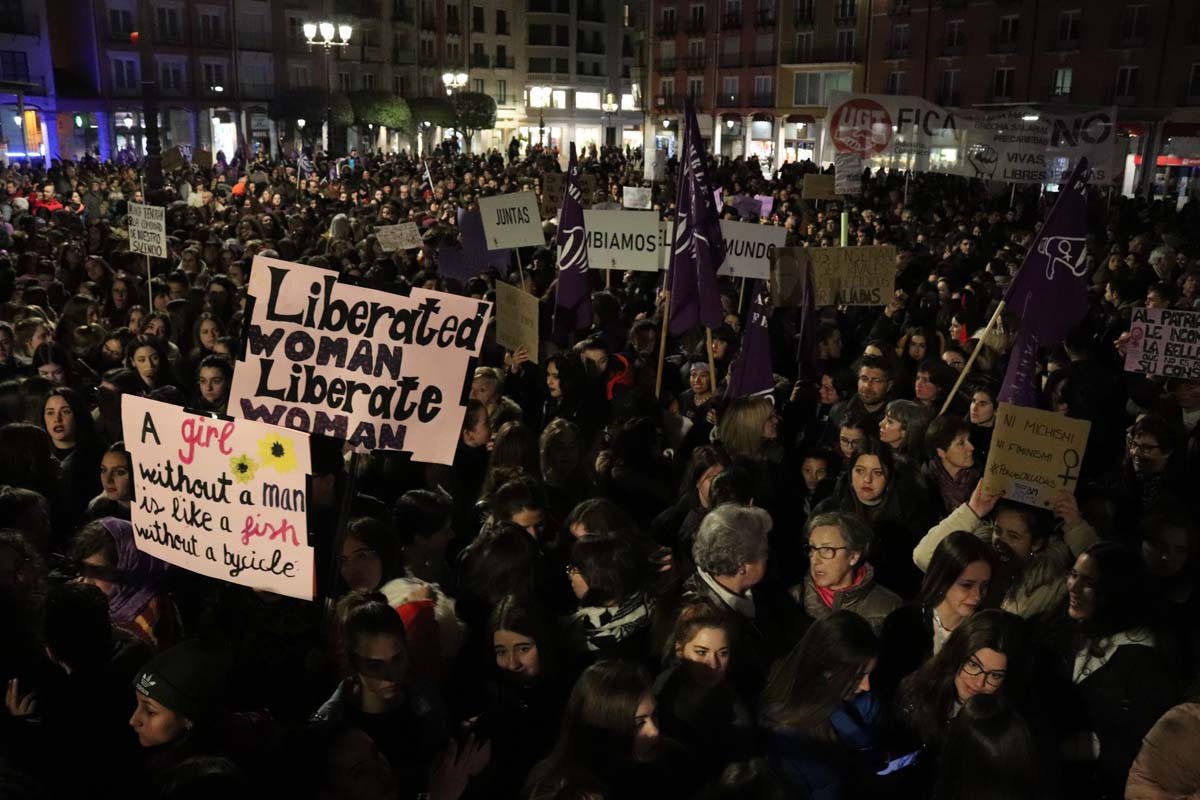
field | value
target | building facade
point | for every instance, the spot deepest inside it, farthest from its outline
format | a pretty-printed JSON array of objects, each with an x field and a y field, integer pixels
[{"x": 29, "y": 121}]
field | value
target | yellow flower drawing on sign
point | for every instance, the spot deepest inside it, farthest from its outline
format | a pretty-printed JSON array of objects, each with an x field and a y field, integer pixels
[
  {"x": 278, "y": 453},
  {"x": 243, "y": 468}
]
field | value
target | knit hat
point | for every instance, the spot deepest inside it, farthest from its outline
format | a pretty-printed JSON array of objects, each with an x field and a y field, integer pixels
[{"x": 186, "y": 678}]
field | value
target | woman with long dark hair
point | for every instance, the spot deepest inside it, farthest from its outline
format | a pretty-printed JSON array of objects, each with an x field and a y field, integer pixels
[
  {"x": 608, "y": 575},
  {"x": 819, "y": 717},
  {"x": 677, "y": 525},
  {"x": 990, "y": 754},
  {"x": 68, "y": 419}
]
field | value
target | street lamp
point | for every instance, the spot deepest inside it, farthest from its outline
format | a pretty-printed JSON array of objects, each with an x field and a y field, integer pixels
[
  {"x": 328, "y": 42},
  {"x": 454, "y": 81},
  {"x": 609, "y": 106}
]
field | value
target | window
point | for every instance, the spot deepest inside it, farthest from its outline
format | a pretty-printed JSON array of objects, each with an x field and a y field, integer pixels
[
  {"x": 666, "y": 52},
  {"x": 214, "y": 74},
  {"x": 1010, "y": 28},
  {"x": 845, "y": 45},
  {"x": 900, "y": 38},
  {"x": 731, "y": 52},
  {"x": 954, "y": 33},
  {"x": 805, "y": 11},
  {"x": 1127, "y": 81},
  {"x": 666, "y": 88},
  {"x": 120, "y": 20},
  {"x": 813, "y": 88},
  {"x": 695, "y": 88},
  {"x": 695, "y": 52},
  {"x": 295, "y": 26},
  {"x": 733, "y": 8},
  {"x": 477, "y": 25},
  {"x": 804, "y": 46},
  {"x": 564, "y": 35},
  {"x": 696, "y": 15},
  {"x": 950, "y": 86},
  {"x": 125, "y": 73},
  {"x": 171, "y": 76},
  {"x": 764, "y": 48},
  {"x": 368, "y": 80},
  {"x": 344, "y": 83},
  {"x": 501, "y": 92},
  {"x": 298, "y": 74},
  {"x": 1134, "y": 21},
  {"x": 1068, "y": 26},
  {"x": 477, "y": 85},
  {"x": 502, "y": 56},
  {"x": 212, "y": 27},
  {"x": 764, "y": 90},
  {"x": 454, "y": 52},
  {"x": 14, "y": 65},
  {"x": 501, "y": 23},
  {"x": 167, "y": 21},
  {"x": 847, "y": 9},
  {"x": 628, "y": 102},
  {"x": 427, "y": 49},
  {"x": 1062, "y": 82},
  {"x": 668, "y": 19},
  {"x": 1002, "y": 82},
  {"x": 729, "y": 90},
  {"x": 895, "y": 82},
  {"x": 588, "y": 100}
]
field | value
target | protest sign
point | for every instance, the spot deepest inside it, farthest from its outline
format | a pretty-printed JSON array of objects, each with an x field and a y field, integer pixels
[
  {"x": 404, "y": 236},
  {"x": 380, "y": 370},
  {"x": 587, "y": 190},
  {"x": 766, "y": 204},
  {"x": 203, "y": 159},
  {"x": 223, "y": 498},
  {"x": 1035, "y": 454},
  {"x": 1164, "y": 342},
  {"x": 748, "y": 207},
  {"x": 172, "y": 159},
  {"x": 516, "y": 320},
  {"x": 853, "y": 276},
  {"x": 847, "y": 174},
  {"x": 748, "y": 248},
  {"x": 474, "y": 245},
  {"x": 511, "y": 220},
  {"x": 635, "y": 197},
  {"x": 819, "y": 187},
  {"x": 554, "y": 184},
  {"x": 148, "y": 230},
  {"x": 622, "y": 240}
]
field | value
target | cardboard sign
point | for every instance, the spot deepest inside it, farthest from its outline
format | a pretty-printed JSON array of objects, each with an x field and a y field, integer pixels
[
  {"x": 748, "y": 248},
  {"x": 1164, "y": 342},
  {"x": 172, "y": 159},
  {"x": 587, "y": 190},
  {"x": 511, "y": 220},
  {"x": 379, "y": 370},
  {"x": 516, "y": 320},
  {"x": 853, "y": 276},
  {"x": 819, "y": 187},
  {"x": 148, "y": 230},
  {"x": 636, "y": 197},
  {"x": 223, "y": 498},
  {"x": 622, "y": 240},
  {"x": 1035, "y": 454},
  {"x": 847, "y": 173},
  {"x": 203, "y": 159},
  {"x": 554, "y": 185},
  {"x": 405, "y": 236}
]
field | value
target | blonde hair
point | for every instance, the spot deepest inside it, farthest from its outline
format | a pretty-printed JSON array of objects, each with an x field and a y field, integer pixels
[{"x": 740, "y": 430}]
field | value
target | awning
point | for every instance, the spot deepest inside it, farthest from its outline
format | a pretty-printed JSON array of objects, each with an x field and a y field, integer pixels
[
  {"x": 800, "y": 119},
  {"x": 731, "y": 115},
  {"x": 762, "y": 116}
]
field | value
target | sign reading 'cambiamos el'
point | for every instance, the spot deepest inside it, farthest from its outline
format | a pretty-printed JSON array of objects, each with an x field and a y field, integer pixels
[{"x": 379, "y": 370}]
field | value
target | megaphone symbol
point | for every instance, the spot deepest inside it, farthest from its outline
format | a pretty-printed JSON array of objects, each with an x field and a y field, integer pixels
[{"x": 1064, "y": 251}]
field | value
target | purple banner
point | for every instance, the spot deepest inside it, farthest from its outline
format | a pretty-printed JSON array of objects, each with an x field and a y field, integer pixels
[
  {"x": 574, "y": 294},
  {"x": 750, "y": 371}
]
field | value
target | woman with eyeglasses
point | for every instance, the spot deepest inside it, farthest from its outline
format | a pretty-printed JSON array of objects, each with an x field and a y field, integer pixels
[
  {"x": 1107, "y": 679},
  {"x": 977, "y": 659},
  {"x": 839, "y": 575},
  {"x": 608, "y": 574},
  {"x": 1153, "y": 472},
  {"x": 819, "y": 717}
]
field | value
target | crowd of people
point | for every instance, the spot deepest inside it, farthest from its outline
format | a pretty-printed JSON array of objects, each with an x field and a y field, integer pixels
[{"x": 612, "y": 592}]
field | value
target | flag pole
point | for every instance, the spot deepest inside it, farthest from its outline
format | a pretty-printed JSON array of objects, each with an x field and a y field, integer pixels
[
  {"x": 971, "y": 361},
  {"x": 741, "y": 296},
  {"x": 662, "y": 342},
  {"x": 712, "y": 364}
]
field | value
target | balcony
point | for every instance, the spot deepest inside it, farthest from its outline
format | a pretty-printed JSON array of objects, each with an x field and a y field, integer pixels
[
  {"x": 955, "y": 46},
  {"x": 666, "y": 65},
  {"x": 731, "y": 21},
  {"x": 117, "y": 35},
  {"x": 765, "y": 19},
  {"x": 671, "y": 101},
  {"x": 842, "y": 18},
  {"x": 211, "y": 91},
  {"x": 696, "y": 63},
  {"x": 257, "y": 91},
  {"x": 732, "y": 60},
  {"x": 590, "y": 46},
  {"x": 1003, "y": 44},
  {"x": 172, "y": 90},
  {"x": 763, "y": 100},
  {"x": 216, "y": 40},
  {"x": 504, "y": 63},
  {"x": 765, "y": 59},
  {"x": 804, "y": 17},
  {"x": 697, "y": 26},
  {"x": 480, "y": 60},
  {"x": 127, "y": 90},
  {"x": 665, "y": 29},
  {"x": 1126, "y": 40},
  {"x": 255, "y": 40},
  {"x": 22, "y": 25},
  {"x": 1057, "y": 97}
]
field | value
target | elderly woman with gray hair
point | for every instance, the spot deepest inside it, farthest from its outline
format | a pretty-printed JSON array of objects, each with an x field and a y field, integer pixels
[
  {"x": 730, "y": 553},
  {"x": 839, "y": 577}
]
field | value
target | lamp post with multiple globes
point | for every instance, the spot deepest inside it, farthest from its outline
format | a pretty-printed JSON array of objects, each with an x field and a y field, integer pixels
[{"x": 327, "y": 41}]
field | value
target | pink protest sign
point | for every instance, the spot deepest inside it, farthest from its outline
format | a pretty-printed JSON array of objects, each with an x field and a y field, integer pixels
[{"x": 224, "y": 498}]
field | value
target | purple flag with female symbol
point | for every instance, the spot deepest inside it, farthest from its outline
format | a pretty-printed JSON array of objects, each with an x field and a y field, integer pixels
[
  {"x": 750, "y": 371},
  {"x": 574, "y": 294},
  {"x": 697, "y": 248},
  {"x": 1049, "y": 293}
]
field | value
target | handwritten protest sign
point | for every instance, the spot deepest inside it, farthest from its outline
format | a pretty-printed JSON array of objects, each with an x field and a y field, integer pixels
[
  {"x": 172, "y": 159},
  {"x": 381, "y": 371},
  {"x": 847, "y": 173},
  {"x": 853, "y": 276},
  {"x": 222, "y": 498},
  {"x": 405, "y": 236},
  {"x": 516, "y": 320},
  {"x": 148, "y": 230},
  {"x": 587, "y": 190},
  {"x": 554, "y": 184},
  {"x": 818, "y": 187},
  {"x": 203, "y": 159},
  {"x": 1164, "y": 342},
  {"x": 622, "y": 240},
  {"x": 635, "y": 197},
  {"x": 748, "y": 248},
  {"x": 511, "y": 220},
  {"x": 1035, "y": 454}
]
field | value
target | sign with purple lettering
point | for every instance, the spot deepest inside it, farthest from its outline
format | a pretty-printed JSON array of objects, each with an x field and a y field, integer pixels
[
  {"x": 380, "y": 370},
  {"x": 1164, "y": 342},
  {"x": 222, "y": 498}
]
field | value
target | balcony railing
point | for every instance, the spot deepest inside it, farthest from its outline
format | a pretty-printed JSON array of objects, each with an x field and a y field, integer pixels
[
  {"x": 826, "y": 54},
  {"x": 1058, "y": 97},
  {"x": 172, "y": 90},
  {"x": 126, "y": 91},
  {"x": 593, "y": 47},
  {"x": 404, "y": 58},
  {"x": 454, "y": 26},
  {"x": 762, "y": 99},
  {"x": 696, "y": 63},
  {"x": 729, "y": 100},
  {"x": 666, "y": 65},
  {"x": 1122, "y": 96},
  {"x": 697, "y": 26},
  {"x": 214, "y": 39},
  {"x": 504, "y": 63},
  {"x": 117, "y": 34},
  {"x": 765, "y": 19},
  {"x": 1003, "y": 43},
  {"x": 481, "y": 60},
  {"x": 36, "y": 82},
  {"x": 733, "y": 20},
  {"x": 22, "y": 24}
]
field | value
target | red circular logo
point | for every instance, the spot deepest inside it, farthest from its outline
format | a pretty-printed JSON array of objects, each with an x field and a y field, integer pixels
[{"x": 861, "y": 126}]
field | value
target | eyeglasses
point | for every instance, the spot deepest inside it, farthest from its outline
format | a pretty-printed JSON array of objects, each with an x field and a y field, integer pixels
[
  {"x": 1140, "y": 447},
  {"x": 824, "y": 552},
  {"x": 849, "y": 442},
  {"x": 993, "y": 678}
]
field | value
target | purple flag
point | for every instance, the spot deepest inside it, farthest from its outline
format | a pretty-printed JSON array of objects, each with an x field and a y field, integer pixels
[
  {"x": 470, "y": 223},
  {"x": 748, "y": 207},
  {"x": 574, "y": 294},
  {"x": 767, "y": 203},
  {"x": 750, "y": 370},
  {"x": 697, "y": 248},
  {"x": 452, "y": 263},
  {"x": 1049, "y": 293}
]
